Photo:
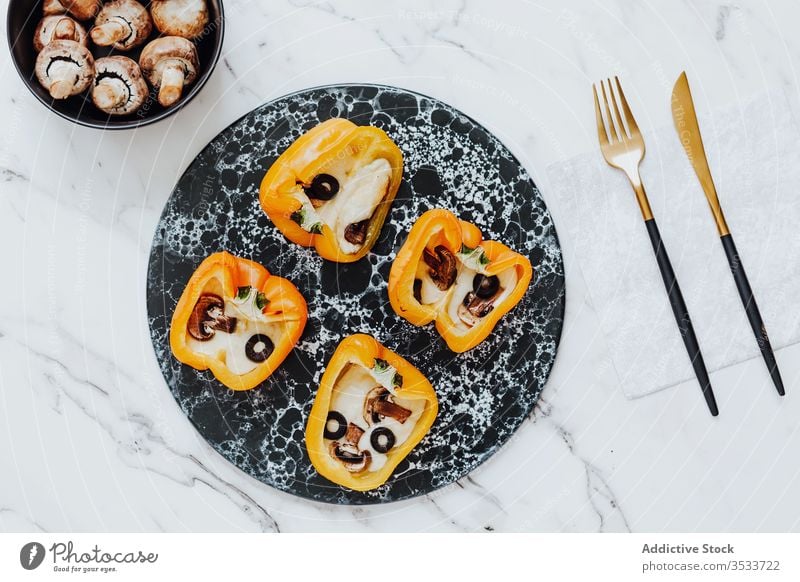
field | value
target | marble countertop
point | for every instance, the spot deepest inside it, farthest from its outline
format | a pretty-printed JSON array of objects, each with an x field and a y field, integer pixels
[{"x": 92, "y": 438}]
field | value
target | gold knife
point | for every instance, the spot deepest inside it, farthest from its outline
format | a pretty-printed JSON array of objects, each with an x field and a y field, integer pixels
[{"x": 685, "y": 119}]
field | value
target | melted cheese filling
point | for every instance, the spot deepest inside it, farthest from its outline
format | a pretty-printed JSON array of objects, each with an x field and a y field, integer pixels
[
  {"x": 348, "y": 399},
  {"x": 450, "y": 299},
  {"x": 230, "y": 347},
  {"x": 429, "y": 293},
  {"x": 359, "y": 194}
]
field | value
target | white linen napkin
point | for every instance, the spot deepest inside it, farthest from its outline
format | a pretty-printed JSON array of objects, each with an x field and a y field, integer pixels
[{"x": 754, "y": 155}]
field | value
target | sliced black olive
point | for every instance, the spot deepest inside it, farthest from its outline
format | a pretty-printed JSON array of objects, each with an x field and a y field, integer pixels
[
  {"x": 484, "y": 286},
  {"x": 382, "y": 439},
  {"x": 418, "y": 290},
  {"x": 356, "y": 233},
  {"x": 323, "y": 187},
  {"x": 258, "y": 348},
  {"x": 340, "y": 421}
]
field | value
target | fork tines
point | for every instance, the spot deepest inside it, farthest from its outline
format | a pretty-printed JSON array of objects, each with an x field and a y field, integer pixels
[{"x": 617, "y": 131}]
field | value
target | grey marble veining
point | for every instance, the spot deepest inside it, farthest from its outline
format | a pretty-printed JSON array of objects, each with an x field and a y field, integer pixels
[{"x": 92, "y": 438}]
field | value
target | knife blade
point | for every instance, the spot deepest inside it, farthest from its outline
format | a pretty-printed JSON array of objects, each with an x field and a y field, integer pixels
[{"x": 685, "y": 119}]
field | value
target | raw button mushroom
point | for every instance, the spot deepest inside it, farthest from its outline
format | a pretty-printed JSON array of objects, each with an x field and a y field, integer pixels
[
  {"x": 169, "y": 63},
  {"x": 65, "y": 68},
  {"x": 50, "y": 7},
  {"x": 119, "y": 88},
  {"x": 80, "y": 9},
  {"x": 123, "y": 24},
  {"x": 186, "y": 18},
  {"x": 57, "y": 27}
]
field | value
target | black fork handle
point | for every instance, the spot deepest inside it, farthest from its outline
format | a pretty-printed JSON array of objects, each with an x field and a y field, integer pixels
[
  {"x": 751, "y": 308},
  {"x": 681, "y": 315}
]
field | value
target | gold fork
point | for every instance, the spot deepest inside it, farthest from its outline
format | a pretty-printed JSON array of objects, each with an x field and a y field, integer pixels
[{"x": 623, "y": 148}]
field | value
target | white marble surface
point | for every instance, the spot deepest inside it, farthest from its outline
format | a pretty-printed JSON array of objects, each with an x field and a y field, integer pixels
[{"x": 91, "y": 437}]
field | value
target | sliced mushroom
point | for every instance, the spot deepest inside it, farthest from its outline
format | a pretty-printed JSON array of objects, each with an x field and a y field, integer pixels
[
  {"x": 480, "y": 301},
  {"x": 378, "y": 405},
  {"x": 186, "y": 18},
  {"x": 443, "y": 266},
  {"x": 347, "y": 451},
  {"x": 123, "y": 24},
  {"x": 209, "y": 316},
  {"x": 57, "y": 27},
  {"x": 119, "y": 88},
  {"x": 353, "y": 459},
  {"x": 80, "y": 9},
  {"x": 474, "y": 308},
  {"x": 169, "y": 63},
  {"x": 64, "y": 68},
  {"x": 353, "y": 434},
  {"x": 356, "y": 233}
]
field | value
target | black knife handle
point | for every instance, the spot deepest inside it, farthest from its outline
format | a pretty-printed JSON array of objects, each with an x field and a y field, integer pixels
[
  {"x": 681, "y": 315},
  {"x": 751, "y": 308}
]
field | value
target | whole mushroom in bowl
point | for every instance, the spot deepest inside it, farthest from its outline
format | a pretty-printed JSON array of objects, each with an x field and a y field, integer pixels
[
  {"x": 64, "y": 68},
  {"x": 50, "y": 7},
  {"x": 80, "y": 9},
  {"x": 119, "y": 88},
  {"x": 186, "y": 18},
  {"x": 123, "y": 24},
  {"x": 169, "y": 63},
  {"x": 57, "y": 27}
]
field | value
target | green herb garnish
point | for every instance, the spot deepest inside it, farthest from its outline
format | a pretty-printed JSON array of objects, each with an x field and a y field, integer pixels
[{"x": 301, "y": 218}]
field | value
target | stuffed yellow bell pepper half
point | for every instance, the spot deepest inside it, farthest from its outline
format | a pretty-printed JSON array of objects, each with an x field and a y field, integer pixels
[
  {"x": 445, "y": 272},
  {"x": 237, "y": 320},
  {"x": 332, "y": 188},
  {"x": 371, "y": 409}
]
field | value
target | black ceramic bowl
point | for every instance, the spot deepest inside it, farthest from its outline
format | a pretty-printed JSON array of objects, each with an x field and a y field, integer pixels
[{"x": 24, "y": 15}]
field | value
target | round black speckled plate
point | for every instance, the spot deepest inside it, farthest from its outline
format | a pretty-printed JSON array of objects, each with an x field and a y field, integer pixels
[{"x": 451, "y": 162}]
